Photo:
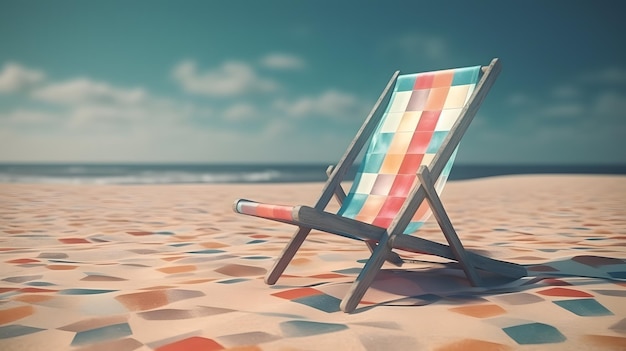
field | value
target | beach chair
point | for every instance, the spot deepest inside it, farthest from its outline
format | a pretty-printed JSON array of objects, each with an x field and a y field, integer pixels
[{"x": 412, "y": 143}]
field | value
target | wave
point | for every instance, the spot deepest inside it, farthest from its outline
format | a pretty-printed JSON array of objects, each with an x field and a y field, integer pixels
[
  {"x": 158, "y": 174},
  {"x": 100, "y": 174},
  {"x": 152, "y": 178}
]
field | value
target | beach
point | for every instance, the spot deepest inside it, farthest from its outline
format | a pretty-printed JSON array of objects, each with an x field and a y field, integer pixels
[{"x": 172, "y": 267}]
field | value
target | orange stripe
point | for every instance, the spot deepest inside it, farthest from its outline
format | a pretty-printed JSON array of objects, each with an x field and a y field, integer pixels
[{"x": 443, "y": 79}]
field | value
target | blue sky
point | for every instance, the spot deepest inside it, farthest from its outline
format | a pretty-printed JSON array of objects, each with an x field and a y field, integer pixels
[{"x": 292, "y": 81}]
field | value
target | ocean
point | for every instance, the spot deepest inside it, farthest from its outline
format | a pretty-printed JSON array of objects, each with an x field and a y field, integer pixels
[{"x": 266, "y": 173}]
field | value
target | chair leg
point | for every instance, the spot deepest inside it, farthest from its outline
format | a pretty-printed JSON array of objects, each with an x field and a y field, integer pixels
[
  {"x": 446, "y": 227},
  {"x": 366, "y": 276},
  {"x": 285, "y": 257}
]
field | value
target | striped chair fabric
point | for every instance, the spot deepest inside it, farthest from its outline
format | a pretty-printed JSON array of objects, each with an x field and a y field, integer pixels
[{"x": 421, "y": 111}]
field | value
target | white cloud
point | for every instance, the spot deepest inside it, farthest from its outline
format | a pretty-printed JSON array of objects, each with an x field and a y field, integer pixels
[
  {"x": 84, "y": 90},
  {"x": 594, "y": 95},
  {"x": 282, "y": 61},
  {"x": 562, "y": 110},
  {"x": 519, "y": 99},
  {"x": 331, "y": 103},
  {"x": 81, "y": 119},
  {"x": 230, "y": 79},
  {"x": 89, "y": 105},
  {"x": 152, "y": 113},
  {"x": 73, "y": 147},
  {"x": 611, "y": 103},
  {"x": 240, "y": 112},
  {"x": 15, "y": 77},
  {"x": 102, "y": 116},
  {"x": 28, "y": 117},
  {"x": 566, "y": 91},
  {"x": 611, "y": 75},
  {"x": 583, "y": 120},
  {"x": 421, "y": 45},
  {"x": 544, "y": 144},
  {"x": 179, "y": 143}
]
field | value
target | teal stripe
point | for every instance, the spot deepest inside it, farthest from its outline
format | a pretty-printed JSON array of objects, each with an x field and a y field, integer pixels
[
  {"x": 413, "y": 227},
  {"x": 448, "y": 167},
  {"x": 373, "y": 162},
  {"x": 380, "y": 143},
  {"x": 436, "y": 141},
  {"x": 467, "y": 75},
  {"x": 405, "y": 82},
  {"x": 352, "y": 205}
]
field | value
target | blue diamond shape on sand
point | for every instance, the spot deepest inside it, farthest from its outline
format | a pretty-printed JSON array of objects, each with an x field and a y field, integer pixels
[
  {"x": 321, "y": 302},
  {"x": 584, "y": 307},
  {"x": 306, "y": 328},
  {"x": 233, "y": 281},
  {"x": 534, "y": 333},
  {"x": 11, "y": 331},
  {"x": 109, "y": 332}
]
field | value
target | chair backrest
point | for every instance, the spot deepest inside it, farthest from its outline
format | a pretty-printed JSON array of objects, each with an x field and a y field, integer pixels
[{"x": 421, "y": 111}]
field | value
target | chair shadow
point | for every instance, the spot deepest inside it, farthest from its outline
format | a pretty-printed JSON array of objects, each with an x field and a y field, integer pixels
[{"x": 446, "y": 283}]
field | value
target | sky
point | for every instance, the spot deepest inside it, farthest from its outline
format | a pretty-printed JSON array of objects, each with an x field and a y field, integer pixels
[{"x": 292, "y": 81}]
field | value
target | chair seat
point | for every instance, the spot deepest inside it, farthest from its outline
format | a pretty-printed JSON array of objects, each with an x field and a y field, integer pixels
[{"x": 353, "y": 229}]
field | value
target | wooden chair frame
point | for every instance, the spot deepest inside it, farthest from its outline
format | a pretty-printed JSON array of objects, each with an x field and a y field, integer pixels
[{"x": 382, "y": 241}]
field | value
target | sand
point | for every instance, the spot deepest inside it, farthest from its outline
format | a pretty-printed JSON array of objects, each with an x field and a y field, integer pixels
[{"x": 173, "y": 268}]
